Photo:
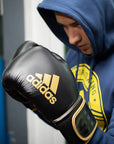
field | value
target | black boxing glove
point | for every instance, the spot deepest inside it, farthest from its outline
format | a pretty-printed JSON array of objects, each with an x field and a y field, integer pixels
[
  {"x": 44, "y": 79},
  {"x": 15, "y": 94}
]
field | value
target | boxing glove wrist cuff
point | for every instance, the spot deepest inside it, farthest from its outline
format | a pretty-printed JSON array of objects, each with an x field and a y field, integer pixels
[
  {"x": 79, "y": 125},
  {"x": 83, "y": 122},
  {"x": 76, "y": 104}
]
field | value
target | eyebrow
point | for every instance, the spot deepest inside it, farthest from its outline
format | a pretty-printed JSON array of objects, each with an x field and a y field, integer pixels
[{"x": 75, "y": 23}]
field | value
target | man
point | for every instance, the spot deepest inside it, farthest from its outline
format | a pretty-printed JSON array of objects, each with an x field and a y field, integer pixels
[
  {"x": 42, "y": 81},
  {"x": 87, "y": 28}
]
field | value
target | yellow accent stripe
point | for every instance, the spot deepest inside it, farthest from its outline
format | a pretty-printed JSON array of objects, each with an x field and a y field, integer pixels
[
  {"x": 54, "y": 83},
  {"x": 97, "y": 114},
  {"x": 39, "y": 76},
  {"x": 99, "y": 119},
  {"x": 101, "y": 101},
  {"x": 74, "y": 69},
  {"x": 97, "y": 104},
  {"x": 47, "y": 79}
]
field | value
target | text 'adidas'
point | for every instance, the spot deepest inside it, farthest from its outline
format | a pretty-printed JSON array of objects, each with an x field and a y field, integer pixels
[{"x": 42, "y": 84}]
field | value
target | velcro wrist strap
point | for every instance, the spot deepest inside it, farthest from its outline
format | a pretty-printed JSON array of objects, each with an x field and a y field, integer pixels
[
  {"x": 83, "y": 122},
  {"x": 79, "y": 126}
]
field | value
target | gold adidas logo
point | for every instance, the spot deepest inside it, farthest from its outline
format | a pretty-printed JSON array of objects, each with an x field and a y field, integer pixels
[{"x": 46, "y": 85}]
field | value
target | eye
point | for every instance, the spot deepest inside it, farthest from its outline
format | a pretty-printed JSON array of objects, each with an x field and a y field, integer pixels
[
  {"x": 62, "y": 25},
  {"x": 75, "y": 24}
]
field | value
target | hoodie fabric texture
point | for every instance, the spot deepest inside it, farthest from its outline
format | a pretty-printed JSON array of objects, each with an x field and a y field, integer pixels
[{"x": 94, "y": 74}]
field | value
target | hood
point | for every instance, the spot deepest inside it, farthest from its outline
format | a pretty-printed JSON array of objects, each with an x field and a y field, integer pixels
[{"x": 95, "y": 16}]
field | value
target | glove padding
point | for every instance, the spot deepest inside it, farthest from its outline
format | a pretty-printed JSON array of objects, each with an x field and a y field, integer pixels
[
  {"x": 43, "y": 82},
  {"x": 23, "y": 48}
]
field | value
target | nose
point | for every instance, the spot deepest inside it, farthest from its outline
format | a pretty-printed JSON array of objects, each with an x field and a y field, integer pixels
[{"x": 74, "y": 36}]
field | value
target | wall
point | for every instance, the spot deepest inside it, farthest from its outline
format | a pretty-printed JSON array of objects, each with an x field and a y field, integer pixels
[{"x": 13, "y": 36}]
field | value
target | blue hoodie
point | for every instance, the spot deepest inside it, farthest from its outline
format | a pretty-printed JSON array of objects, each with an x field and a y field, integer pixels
[{"x": 94, "y": 74}]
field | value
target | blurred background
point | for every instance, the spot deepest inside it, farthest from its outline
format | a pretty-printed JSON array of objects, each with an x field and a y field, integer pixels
[{"x": 20, "y": 21}]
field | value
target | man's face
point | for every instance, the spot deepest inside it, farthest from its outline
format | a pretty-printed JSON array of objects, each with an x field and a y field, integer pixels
[{"x": 75, "y": 33}]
